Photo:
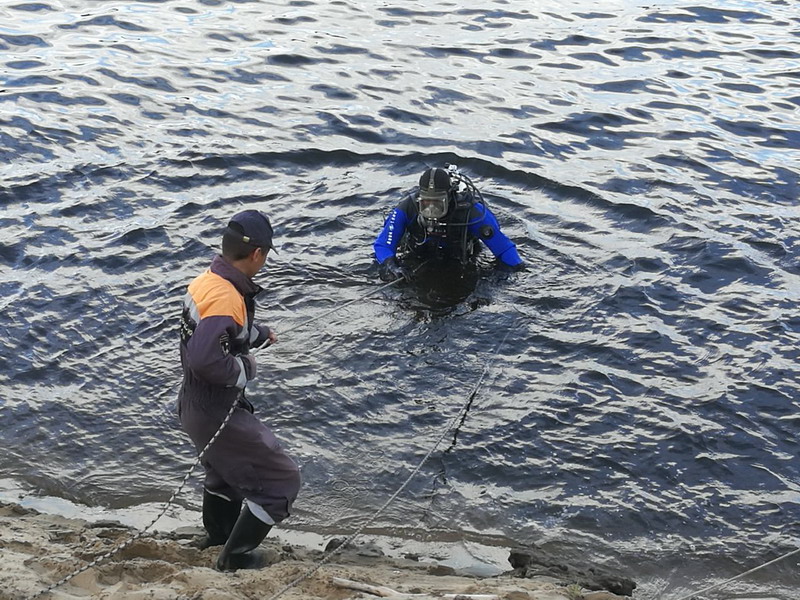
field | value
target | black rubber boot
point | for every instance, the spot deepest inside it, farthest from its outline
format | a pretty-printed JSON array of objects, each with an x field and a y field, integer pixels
[
  {"x": 219, "y": 517},
  {"x": 240, "y": 549}
]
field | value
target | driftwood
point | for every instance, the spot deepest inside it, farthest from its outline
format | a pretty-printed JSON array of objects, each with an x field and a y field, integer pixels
[
  {"x": 385, "y": 592},
  {"x": 375, "y": 590}
]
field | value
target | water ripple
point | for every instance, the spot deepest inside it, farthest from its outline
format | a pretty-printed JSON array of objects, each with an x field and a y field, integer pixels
[{"x": 643, "y": 158}]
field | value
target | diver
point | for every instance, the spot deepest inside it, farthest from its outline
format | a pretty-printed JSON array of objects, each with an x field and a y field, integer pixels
[{"x": 445, "y": 217}]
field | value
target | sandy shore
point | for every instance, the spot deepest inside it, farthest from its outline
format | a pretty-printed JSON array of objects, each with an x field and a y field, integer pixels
[{"x": 38, "y": 549}]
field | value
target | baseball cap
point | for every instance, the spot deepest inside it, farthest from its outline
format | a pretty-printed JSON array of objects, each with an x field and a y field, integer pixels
[{"x": 255, "y": 228}]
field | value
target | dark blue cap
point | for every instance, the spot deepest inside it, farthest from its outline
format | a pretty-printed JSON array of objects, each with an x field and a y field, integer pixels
[{"x": 256, "y": 228}]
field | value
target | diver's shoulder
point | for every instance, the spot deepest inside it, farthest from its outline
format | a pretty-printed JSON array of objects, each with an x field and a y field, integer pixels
[{"x": 407, "y": 203}]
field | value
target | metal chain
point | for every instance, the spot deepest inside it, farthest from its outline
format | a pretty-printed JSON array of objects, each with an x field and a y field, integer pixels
[
  {"x": 394, "y": 496},
  {"x": 197, "y": 461},
  {"x": 141, "y": 533}
]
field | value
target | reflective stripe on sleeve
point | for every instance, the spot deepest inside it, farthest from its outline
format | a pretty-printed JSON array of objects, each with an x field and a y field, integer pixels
[
  {"x": 242, "y": 335},
  {"x": 242, "y": 380},
  {"x": 191, "y": 306}
]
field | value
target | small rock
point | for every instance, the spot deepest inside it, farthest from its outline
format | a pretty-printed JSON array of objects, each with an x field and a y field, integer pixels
[
  {"x": 334, "y": 544},
  {"x": 103, "y": 523},
  {"x": 601, "y": 596},
  {"x": 187, "y": 532},
  {"x": 59, "y": 535},
  {"x": 441, "y": 570},
  {"x": 519, "y": 560},
  {"x": 370, "y": 550},
  {"x": 110, "y": 533},
  {"x": 535, "y": 562}
]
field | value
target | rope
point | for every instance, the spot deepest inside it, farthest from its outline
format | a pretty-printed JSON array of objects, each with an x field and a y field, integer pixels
[
  {"x": 359, "y": 299},
  {"x": 141, "y": 533},
  {"x": 197, "y": 461},
  {"x": 721, "y": 583},
  {"x": 345, "y": 305},
  {"x": 394, "y": 496}
]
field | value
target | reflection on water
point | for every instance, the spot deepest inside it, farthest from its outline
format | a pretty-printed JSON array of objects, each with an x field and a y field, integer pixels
[
  {"x": 440, "y": 284},
  {"x": 643, "y": 157}
]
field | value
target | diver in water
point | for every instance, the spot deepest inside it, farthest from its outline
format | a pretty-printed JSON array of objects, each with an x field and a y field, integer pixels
[{"x": 444, "y": 218}]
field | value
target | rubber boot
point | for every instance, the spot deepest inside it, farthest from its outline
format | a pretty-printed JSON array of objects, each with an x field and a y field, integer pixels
[
  {"x": 219, "y": 517},
  {"x": 239, "y": 551}
]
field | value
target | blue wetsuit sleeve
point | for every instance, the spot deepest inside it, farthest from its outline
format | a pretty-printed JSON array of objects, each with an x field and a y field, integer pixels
[
  {"x": 389, "y": 238},
  {"x": 484, "y": 226}
]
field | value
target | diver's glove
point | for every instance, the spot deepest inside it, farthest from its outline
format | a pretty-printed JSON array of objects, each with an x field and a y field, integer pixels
[{"x": 391, "y": 270}]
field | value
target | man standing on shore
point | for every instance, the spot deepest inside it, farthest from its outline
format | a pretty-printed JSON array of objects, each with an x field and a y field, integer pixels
[{"x": 250, "y": 482}]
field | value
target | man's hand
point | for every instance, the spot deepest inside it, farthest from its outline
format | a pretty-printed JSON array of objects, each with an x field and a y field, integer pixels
[
  {"x": 262, "y": 336},
  {"x": 391, "y": 270}
]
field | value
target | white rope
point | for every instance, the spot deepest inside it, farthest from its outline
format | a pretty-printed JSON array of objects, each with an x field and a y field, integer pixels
[
  {"x": 721, "y": 583},
  {"x": 392, "y": 498},
  {"x": 345, "y": 305}
]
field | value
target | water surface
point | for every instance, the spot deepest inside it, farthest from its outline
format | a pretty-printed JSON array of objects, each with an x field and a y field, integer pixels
[{"x": 640, "y": 404}]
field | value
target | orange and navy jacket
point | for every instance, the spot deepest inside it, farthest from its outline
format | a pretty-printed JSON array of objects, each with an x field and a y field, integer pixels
[{"x": 217, "y": 330}]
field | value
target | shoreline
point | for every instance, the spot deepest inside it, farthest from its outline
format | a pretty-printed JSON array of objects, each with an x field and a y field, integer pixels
[{"x": 39, "y": 548}]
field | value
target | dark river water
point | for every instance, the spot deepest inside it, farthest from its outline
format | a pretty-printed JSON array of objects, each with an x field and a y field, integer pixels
[{"x": 640, "y": 402}]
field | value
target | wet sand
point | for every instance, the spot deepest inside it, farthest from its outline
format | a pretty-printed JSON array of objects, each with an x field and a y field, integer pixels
[{"x": 38, "y": 549}]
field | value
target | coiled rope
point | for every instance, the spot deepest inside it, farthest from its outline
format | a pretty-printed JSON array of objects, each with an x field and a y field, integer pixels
[{"x": 197, "y": 461}]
